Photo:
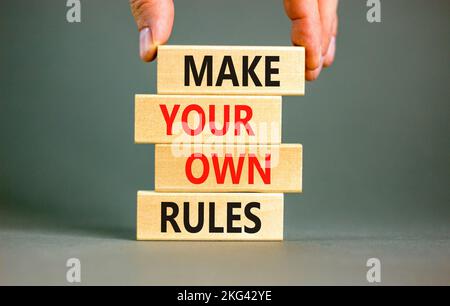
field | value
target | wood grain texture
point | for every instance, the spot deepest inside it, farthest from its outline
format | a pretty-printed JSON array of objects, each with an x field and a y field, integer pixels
[
  {"x": 255, "y": 119},
  {"x": 278, "y": 71},
  {"x": 228, "y": 168},
  {"x": 238, "y": 223}
]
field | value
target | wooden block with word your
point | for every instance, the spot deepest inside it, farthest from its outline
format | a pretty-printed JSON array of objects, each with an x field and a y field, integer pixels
[
  {"x": 234, "y": 70},
  {"x": 209, "y": 216},
  {"x": 228, "y": 168},
  {"x": 207, "y": 119}
]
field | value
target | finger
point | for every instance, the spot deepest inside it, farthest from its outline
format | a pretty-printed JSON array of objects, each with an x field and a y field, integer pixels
[
  {"x": 306, "y": 29},
  {"x": 154, "y": 19},
  {"x": 312, "y": 75},
  {"x": 331, "y": 54},
  {"x": 329, "y": 57},
  {"x": 335, "y": 25},
  {"x": 327, "y": 10}
]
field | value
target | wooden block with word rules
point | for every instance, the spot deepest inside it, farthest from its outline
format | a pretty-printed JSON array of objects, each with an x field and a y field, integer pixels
[
  {"x": 228, "y": 168},
  {"x": 233, "y": 70},
  {"x": 209, "y": 216},
  {"x": 207, "y": 119}
]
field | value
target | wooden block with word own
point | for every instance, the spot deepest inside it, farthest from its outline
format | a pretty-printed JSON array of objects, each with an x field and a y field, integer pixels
[
  {"x": 231, "y": 70},
  {"x": 207, "y": 119},
  {"x": 209, "y": 216},
  {"x": 228, "y": 168}
]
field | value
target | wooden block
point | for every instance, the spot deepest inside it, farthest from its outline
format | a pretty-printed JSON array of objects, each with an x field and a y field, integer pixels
[
  {"x": 207, "y": 119},
  {"x": 228, "y": 168},
  {"x": 209, "y": 216},
  {"x": 231, "y": 70}
]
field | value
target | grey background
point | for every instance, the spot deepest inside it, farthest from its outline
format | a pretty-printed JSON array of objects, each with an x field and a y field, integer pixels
[{"x": 375, "y": 130}]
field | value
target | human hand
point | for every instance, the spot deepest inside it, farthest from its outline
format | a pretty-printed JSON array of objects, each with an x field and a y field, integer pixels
[{"x": 314, "y": 26}]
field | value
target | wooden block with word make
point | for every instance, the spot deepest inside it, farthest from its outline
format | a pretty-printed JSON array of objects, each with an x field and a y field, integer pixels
[
  {"x": 209, "y": 216},
  {"x": 234, "y": 70},
  {"x": 228, "y": 168},
  {"x": 207, "y": 119}
]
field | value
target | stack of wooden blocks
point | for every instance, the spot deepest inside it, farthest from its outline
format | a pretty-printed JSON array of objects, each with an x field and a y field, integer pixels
[{"x": 220, "y": 167}]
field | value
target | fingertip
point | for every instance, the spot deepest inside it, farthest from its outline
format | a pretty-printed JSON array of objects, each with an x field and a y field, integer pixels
[
  {"x": 329, "y": 57},
  {"x": 312, "y": 75},
  {"x": 147, "y": 47},
  {"x": 313, "y": 56}
]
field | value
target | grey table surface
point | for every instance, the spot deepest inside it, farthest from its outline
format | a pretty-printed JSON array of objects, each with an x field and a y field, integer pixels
[{"x": 34, "y": 251}]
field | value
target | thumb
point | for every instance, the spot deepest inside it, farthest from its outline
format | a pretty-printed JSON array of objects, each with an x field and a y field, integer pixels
[{"x": 154, "y": 19}]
